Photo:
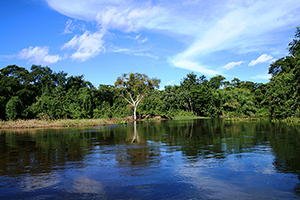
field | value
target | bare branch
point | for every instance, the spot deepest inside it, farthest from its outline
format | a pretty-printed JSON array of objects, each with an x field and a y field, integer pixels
[
  {"x": 139, "y": 100},
  {"x": 122, "y": 95}
]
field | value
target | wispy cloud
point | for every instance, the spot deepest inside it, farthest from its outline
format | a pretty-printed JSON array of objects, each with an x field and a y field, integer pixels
[
  {"x": 262, "y": 59},
  {"x": 38, "y": 55},
  {"x": 262, "y": 76},
  {"x": 170, "y": 82},
  {"x": 69, "y": 27},
  {"x": 193, "y": 66},
  {"x": 143, "y": 40},
  {"x": 232, "y": 64},
  {"x": 87, "y": 45},
  {"x": 241, "y": 30},
  {"x": 139, "y": 39},
  {"x": 6, "y": 57},
  {"x": 132, "y": 52}
]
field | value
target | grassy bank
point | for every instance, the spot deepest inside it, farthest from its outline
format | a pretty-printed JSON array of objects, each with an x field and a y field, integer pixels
[
  {"x": 57, "y": 123},
  {"x": 34, "y": 123}
]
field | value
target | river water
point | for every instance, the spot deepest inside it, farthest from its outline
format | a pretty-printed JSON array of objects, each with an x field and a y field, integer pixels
[{"x": 179, "y": 159}]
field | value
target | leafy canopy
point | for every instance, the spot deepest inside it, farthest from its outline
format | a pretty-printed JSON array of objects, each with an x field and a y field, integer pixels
[{"x": 136, "y": 84}]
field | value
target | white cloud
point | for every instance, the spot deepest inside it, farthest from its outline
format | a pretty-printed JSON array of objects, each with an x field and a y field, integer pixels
[
  {"x": 262, "y": 59},
  {"x": 123, "y": 15},
  {"x": 232, "y": 64},
  {"x": 262, "y": 76},
  {"x": 38, "y": 55},
  {"x": 87, "y": 45}
]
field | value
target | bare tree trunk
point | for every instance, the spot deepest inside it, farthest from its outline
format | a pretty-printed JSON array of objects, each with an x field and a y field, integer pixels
[
  {"x": 134, "y": 103},
  {"x": 134, "y": 113}
]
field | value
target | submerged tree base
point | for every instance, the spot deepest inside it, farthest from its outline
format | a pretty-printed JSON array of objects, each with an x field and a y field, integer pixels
[{"x": 148, "y": 117}]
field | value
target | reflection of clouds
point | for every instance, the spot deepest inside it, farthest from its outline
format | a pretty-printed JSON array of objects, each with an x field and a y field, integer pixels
[
  {"x": 85, "y": 185},
  {"x": 210, "y": 187},
  {"x": 39, "y": 181},
  {"x": 259, "y": 164},
  {"x": 79, "y": 185},
  {"x": 238, "y": 176}
]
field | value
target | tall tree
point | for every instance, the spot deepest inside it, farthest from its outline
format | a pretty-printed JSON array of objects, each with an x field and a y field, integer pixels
[
  {"x": 187, "y": 86},
  {"x": 294, "y": 46},
  {"x": 216, "y": 82},
  {"x": 134, "y": 87},
  {"x": 283, "y": 90}
]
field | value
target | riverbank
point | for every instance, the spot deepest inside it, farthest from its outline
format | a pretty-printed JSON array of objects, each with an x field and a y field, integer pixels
[{"x": 34, "y": 123}]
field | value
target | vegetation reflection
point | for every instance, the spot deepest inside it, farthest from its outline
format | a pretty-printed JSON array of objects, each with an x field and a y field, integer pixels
[{"x": 142, "y": 144}]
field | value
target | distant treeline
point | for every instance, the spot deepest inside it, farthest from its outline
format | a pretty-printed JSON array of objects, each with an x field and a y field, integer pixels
[{"x": 44, "y": 94}]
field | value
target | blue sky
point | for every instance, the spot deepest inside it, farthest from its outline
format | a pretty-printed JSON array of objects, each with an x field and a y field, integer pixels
[{"x": 103, "y": 39}]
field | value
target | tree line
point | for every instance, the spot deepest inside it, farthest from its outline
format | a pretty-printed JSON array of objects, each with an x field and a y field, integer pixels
[{"x": 45, "y": 94}]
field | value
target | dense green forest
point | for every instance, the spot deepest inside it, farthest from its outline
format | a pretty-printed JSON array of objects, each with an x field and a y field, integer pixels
[{"x": 45, "y": 94}]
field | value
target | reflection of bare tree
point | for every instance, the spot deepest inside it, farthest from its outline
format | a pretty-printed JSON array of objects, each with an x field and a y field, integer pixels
[
  {"x": 136, "y": 138},
  {"x": 137, "y": 151}
]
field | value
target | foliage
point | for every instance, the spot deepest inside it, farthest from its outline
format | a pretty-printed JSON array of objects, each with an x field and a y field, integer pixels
[
  {"x": 283, "y": 91},
  {"x": 294, "y": 46},
  {"x": 14, "y": 108},
  {"x": 44, "y": 94}
]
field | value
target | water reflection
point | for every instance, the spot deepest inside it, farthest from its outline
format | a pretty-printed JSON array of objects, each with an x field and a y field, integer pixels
[
  {"x": 209, "y": 159},
  {"x": 137, "y": 154}
]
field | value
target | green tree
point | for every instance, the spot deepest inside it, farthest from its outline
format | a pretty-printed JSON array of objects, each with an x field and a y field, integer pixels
[
  {"x": 15, "y": 81},
  {"x": 134, "y": 87},
  {"x": 281, "y": 96},
  {"x": 187, "y": 86},
  {"x": 283, "y": 90},
  {"x": 14, "y": 108},
  {"x": 294, "y": 46},
  {"x": 216, "y": 82}
]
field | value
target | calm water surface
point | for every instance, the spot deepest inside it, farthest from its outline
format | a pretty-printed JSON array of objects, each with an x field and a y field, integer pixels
[{"x": 191, "y": 159}]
